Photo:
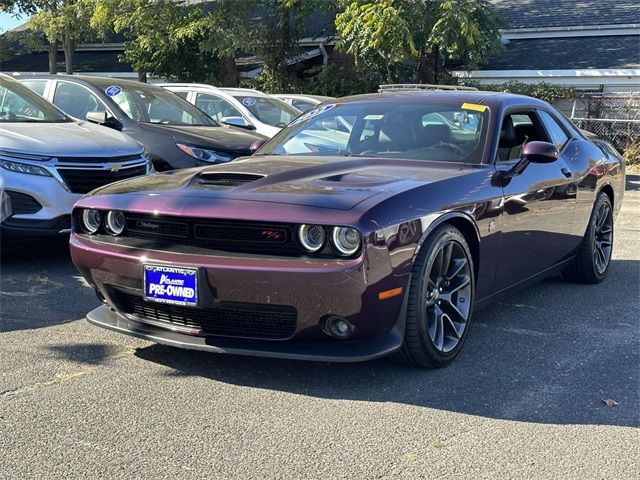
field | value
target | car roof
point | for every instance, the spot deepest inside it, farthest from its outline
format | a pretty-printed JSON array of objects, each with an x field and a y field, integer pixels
[
  {"x": 84, "y": 79},
  {"x": 302, "y": 96},
  {"x": 490, "y": 99}
]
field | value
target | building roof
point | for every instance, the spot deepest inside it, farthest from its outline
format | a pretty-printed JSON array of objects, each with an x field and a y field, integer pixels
[
  {"x": 565, "y": 13},
  {"x": 569, "y": 53}
]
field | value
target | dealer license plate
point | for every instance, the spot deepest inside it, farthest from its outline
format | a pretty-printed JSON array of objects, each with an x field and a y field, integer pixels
[{"x": 174, "y": 285}]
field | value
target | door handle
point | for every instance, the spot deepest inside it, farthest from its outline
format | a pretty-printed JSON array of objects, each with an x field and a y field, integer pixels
[{"x": 566, "y": 172}]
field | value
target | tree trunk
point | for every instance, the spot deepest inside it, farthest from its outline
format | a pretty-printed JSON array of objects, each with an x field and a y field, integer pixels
[
  {"x": 142, "y": 77},
  {"x": 228, "y": 71},
  {"x": 69, "y": 47},
  {"x": 53, "y": 58}
]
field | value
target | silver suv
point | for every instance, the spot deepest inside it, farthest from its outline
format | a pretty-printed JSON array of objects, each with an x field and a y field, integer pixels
[{"x": 48, "y": 160}]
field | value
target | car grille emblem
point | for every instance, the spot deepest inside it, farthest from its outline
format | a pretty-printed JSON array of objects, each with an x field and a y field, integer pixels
[
  {"x": 271, "y": 234},
  {"x": 147, "y": 225},
  {"x": 115, "y": 167}
]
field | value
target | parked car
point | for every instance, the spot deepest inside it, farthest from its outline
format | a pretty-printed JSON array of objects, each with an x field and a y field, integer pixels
[
  {"x": 49, "y": 160},
  {"x": 302, "y": 102},
  {"x": 383, "y": 244},
  {"x": 241, "y": 107},
  {"x": 175, "y": 134}
]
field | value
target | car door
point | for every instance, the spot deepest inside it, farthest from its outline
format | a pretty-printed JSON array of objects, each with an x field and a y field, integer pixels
[
  {"x": 76, "y": 100},
  {"x": 539, "y": 203}
]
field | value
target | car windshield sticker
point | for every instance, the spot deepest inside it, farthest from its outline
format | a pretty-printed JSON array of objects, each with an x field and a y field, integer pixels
[
  {"x": 474, "y": 106},
  {"x": 374, "y": 117},
  {"x": 113, "y": 90},
  {"x": 312, "y": 113},
  {"x": 249, "y": 101}
]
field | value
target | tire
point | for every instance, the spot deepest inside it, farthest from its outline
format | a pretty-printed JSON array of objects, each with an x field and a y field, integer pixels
[
  {"x": 592, "y": 261},
  {"x": 436, "y": 292}
]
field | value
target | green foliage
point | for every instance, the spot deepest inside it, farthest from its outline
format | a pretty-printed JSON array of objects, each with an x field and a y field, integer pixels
[
  {"x": 153, "y": 41},
  {"x": 542, "y": 90},
  {"x": 340, "y": 80},
  {"x": 383, "y": 34},
  {"x": 632, "y": 154}
]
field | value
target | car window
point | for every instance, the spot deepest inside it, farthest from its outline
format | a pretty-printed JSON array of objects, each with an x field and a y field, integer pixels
[
  {"x": 302, "y": 105},
  {"x": 271, "y": 111},
  {"x": 76, "y": 100},
  {"x": 404, "y": 130},
  {"x": 37, "y": 86},
  {"x": 216, "y": 107},
  {"x": 516, "y": 130},
  {"x": 557, "y": 133},
  {"x": 18, "y": 103},
  {"x": 182, "y": 94}
]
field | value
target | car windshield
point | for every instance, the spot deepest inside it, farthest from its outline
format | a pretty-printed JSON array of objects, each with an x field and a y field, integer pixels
[
  {"x": 18, "y": 103},
  {"x": 271, "y": 111},
  {"x": 153, "y": 104},
  {"x": 453, "y": 132}
]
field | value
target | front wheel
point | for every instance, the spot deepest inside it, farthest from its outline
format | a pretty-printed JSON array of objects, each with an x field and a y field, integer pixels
[
  {"x": 591, "y": 264},
  {"x": 440, "y": 300}
]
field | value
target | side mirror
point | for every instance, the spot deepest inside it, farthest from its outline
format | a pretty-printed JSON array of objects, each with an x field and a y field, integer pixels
[
  {"x": 102, "y": 118},
  {"x": 540, "y": 152},
  {"x": 237, "y": 122}
]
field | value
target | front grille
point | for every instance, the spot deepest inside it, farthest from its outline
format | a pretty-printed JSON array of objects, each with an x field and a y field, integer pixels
[
  {"x": 83, "y": 181},
  {"x": 123, "y": 158},
  {"x": 243, "y": 320},
  {"x": 22, "y": 204},
  {"x": 228, "y": 179},
  {"x": 229, "y": 235}
]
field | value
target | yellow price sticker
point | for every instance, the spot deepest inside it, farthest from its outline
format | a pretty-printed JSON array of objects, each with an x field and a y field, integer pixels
[{"x": 474, "y": 106}]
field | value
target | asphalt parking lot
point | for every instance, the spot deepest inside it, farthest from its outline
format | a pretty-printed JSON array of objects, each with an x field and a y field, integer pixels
[{"x": 524, "y": 399}]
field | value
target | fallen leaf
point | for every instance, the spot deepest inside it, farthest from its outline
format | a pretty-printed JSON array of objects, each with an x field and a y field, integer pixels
[{"x": 609, "y": 403}]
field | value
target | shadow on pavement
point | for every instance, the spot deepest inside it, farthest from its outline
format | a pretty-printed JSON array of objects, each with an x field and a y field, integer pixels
[
  {"x": 549, "y": 354},
  {"x": 40, "y": 287},
  {"x": 633, "y": 182}
]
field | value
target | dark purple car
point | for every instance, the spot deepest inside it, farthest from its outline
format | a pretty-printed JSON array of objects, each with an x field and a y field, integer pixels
[{"x": 369, "y": 226}]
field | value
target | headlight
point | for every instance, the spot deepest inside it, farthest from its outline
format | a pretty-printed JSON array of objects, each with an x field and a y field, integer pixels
[
  {"x": 91, "y": 220},
  {"x": 209, "y": 156},
  {"x": 346, "y": 240},
  {"x": 311, "y": 237},
  {"x": 115, "y": 222},
  {"x": 24, "y": 168}
]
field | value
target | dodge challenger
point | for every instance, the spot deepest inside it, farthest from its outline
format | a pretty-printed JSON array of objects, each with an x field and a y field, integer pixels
[{"x": 372, "y": 225}]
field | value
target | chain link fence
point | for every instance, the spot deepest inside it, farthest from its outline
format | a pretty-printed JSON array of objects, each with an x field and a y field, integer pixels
[{"x": 612, "y": 116}]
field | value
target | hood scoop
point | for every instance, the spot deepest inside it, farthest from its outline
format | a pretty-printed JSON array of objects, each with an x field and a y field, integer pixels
[{"x": 223, "y": 179}]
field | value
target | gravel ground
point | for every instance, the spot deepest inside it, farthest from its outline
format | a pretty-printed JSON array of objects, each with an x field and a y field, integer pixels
[{"x": 524, "y": 399}]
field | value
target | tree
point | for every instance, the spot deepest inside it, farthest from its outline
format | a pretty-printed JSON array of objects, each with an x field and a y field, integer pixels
[
  {"x": 30, "y": 7},
  {"x": 66, "y": 22},
  {"x": 153, "y": 44},
  {"x": 387, "y": 35}
]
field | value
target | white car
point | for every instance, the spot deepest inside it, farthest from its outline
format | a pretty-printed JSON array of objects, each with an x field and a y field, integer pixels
[
  {"x": 302, "y": 102},
  {"x": 241, "y": 107},
  {"x": 48, "y": 160}
]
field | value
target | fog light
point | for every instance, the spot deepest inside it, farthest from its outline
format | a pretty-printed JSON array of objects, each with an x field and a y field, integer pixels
[
  {"x": 91, "y": 220},
  {"x": 115, "y": 222},
  {"x": 339, "y": 327}
]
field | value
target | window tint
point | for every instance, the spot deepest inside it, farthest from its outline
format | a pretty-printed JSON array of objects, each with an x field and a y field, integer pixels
[
  {"x": 216, "y": 107},
  {"x": 400, "y": 130},
  {"x": 18, "y": 103},
  {"x": 271, "y": 111},
  {"x": 37, "y": 86},
  {"x": 76, "y": 100},
  {"x": 558, "y": 137},
  {"x": 302, "y": 105},
  {"x": 182, "y": 94}
]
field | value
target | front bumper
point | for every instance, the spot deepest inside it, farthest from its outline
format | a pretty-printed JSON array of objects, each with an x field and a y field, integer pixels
[
  {"x": 316, "y": 290},
  {"x": 346, "y": 351}
]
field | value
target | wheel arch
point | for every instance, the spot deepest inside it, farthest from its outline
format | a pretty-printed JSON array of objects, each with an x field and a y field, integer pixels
[
  {"x": 467, "y": 227},
  {"x": 608, "y": 189}
]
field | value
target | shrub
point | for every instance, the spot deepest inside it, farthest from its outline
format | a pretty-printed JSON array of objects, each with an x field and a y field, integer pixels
[{"x": 632, "y": 154}]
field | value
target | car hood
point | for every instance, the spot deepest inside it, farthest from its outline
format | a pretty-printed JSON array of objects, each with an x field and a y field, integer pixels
[
  {"x": 224, "y": 138},
  {"x": 70, "y": 139},
  {"x": 325, "y": 182}
]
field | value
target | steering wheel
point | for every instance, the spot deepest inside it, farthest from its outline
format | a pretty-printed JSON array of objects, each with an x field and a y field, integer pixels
[{"x": 451, "y": 146}]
